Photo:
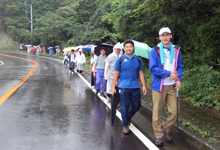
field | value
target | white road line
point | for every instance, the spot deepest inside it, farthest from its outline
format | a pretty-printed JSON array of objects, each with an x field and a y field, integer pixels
[
  {"x": 1, "y": 63},
  {"x": 140, "y": 135}
]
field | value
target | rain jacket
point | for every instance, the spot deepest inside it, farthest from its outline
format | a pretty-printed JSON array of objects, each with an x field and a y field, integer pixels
[
  {"x": 50, "y": 52},
  {"x": 158, "y": 71}
]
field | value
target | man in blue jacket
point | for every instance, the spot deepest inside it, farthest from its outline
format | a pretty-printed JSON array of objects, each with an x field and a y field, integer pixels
[
  {"x": 167, "y": 69},
  {"x": 130, "y": 68}
]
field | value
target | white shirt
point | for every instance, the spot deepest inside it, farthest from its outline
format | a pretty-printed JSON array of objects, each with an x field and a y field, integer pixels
[
  {"x": 92, "y": 62},
  {"x": 72, "y": 57},
  {"x": 170, "y": 67},
  {"x": 80, "y": 59}
]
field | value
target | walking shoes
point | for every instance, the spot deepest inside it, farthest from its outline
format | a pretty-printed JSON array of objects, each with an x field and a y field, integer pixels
[
  {"x": 159, "y": 141},
  {"x": 103, "y": 95},
  {"x": 97, "y": 91},
  {"x": 126, "y": 129},
  {"x": 168, "y": 137}
]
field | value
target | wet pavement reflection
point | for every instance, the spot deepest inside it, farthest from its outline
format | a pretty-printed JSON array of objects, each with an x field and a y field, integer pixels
[{"x": 53, "y": 110}]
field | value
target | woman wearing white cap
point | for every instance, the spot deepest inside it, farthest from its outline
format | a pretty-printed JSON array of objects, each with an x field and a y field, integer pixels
[
  {"x": 80, "y": 61},
  {"x": 109, "y": 68}
]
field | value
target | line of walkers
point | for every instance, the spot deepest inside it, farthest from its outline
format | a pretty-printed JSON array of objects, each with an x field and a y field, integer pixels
[{"x": 123, "y": 71}]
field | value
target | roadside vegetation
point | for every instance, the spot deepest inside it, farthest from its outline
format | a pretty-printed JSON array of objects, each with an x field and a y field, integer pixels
[{"x": 195, "y": 25}]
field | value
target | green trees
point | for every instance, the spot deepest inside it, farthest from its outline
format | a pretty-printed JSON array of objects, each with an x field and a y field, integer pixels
[{"x": 195, "y": 26}]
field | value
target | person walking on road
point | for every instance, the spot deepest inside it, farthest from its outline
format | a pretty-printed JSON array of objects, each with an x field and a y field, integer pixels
[
  {"x": 167, "y": 69},
  {"x": 80, "y": 60},
  {"x": 109, "y": 69},
  {"x": 44, "y": 50},
  {"x": 72, "y": 58},
  {"x": 99, "y": 71},
  {"x": 58, "y": 51},
  {"x": 92, "y": 67},
  {"x": 33, "y": 49},
  {"x": 129, "y": 67},
  {"x": 50, "y": 52}
]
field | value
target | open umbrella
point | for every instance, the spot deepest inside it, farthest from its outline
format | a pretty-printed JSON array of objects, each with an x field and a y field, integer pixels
[
  {"x": 68, "y": 49},
  {"x": 141, "y": 49},
  {"x": 50, "y": 47},
  {"x": 79, "y": 46},
  {"x": 107, "y": 47},
  {"x": 114, "y": 104},
  {"x": 57, "y": 46},
  {"x": 21, "y": 44},
  {"x": 88, "y": 47}
]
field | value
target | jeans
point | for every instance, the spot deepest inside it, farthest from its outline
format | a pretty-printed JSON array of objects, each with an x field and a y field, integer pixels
[
  {"x": 100, "y": 79},
  {"x": 130, "y": 103}
]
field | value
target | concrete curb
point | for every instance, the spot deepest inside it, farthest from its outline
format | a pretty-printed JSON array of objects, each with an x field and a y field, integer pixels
[{"x": 185, "y": 135}]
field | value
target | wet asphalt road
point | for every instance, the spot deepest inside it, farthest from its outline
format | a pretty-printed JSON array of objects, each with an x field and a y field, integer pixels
[{"x": 53, "y": 110}]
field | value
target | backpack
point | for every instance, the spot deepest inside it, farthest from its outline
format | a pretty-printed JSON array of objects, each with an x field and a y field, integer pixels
[{"x": 121, "y": 59}]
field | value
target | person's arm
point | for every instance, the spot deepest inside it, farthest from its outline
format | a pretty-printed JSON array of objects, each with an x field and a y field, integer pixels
[
  {"x": 84, "y": 59},
  {"x": 141, "y": 75},
  {"x": 115, "y": 79},
  {"x": 180, "y": 70},
  {"x": 107, "y": 65},
  {"x": 94, "y": 73}
]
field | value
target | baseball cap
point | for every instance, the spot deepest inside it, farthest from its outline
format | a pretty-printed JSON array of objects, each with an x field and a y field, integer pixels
[
  {"x": 80, "y": 50},
  {"x": 164, "y": 29}
]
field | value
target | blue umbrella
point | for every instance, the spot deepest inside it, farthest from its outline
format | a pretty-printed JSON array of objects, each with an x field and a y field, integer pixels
[{"x": 88, "y": 47}]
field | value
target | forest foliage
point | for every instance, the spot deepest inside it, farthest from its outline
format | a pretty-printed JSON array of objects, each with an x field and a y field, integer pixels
[{"x": 195, "y": 26}]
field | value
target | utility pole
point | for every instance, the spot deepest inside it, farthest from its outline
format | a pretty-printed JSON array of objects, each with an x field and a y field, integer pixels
[
  {"x": 31, "y": 20},
  {"x": 25, "y": 8}
]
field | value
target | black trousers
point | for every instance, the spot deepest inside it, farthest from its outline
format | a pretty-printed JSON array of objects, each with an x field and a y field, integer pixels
[{"x": 93, "y": 79}]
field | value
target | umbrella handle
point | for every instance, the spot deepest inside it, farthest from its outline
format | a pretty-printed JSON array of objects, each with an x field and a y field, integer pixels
[{"x": 177, "y": 93}]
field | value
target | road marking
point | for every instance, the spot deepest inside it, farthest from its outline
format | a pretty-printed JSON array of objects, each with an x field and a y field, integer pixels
[
  {"x": 12, "y": 90},
  {"x": 140, "y": 135},
  {"x": 1, "y": 63}
]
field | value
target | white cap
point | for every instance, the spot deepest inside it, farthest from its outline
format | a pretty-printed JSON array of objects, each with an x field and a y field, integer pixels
[
  {"x": 80, "y": 50},
  {"x": 164, "y": 29},
  {"x": 117, "y": 46}
]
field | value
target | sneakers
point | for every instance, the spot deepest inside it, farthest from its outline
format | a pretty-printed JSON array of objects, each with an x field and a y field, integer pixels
[
  {"x": 97, "y": 91},
  {"x": 159, "y": 142},
  {"x": 103, "y": 95},
  {"x": 69, "y": 71},
  {"x": 168, "y": 137},
  {"x": 126, "y": 129},
  {"x": 108, "y": 100}
]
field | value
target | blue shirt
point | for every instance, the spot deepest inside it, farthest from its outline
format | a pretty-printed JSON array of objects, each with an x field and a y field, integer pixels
[{"x": 129, "y": 72}]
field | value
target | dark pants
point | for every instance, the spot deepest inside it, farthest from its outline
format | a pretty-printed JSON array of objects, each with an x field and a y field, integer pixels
[
  {"x": 93, "y": 79},
  {"x": 129, "y": 97},
  {"x": 109, "y": 95},
  {"x": 79, "y": 71},
  {"x": 72, "y": 66}
]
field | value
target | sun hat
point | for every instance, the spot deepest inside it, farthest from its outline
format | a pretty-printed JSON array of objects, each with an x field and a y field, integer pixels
[{"x": 164, "y": 29}]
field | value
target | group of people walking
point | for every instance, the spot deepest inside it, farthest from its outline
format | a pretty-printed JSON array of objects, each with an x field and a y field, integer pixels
[
  {"x": 77, "y": 58},
  {"x": 121, "y": 72}
]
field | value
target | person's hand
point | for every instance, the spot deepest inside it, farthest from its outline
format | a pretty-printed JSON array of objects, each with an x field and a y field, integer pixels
[
  {"x": 91, "y": 71},
  {"x": 94, "y": 74},
  {"x": 116, "y": 84},
  {"x": 113, "y": 91},
  {"x": 144, "y": 90},
  {"x": 174, "y": 75},
  {"x": 178, "y": 85}
]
